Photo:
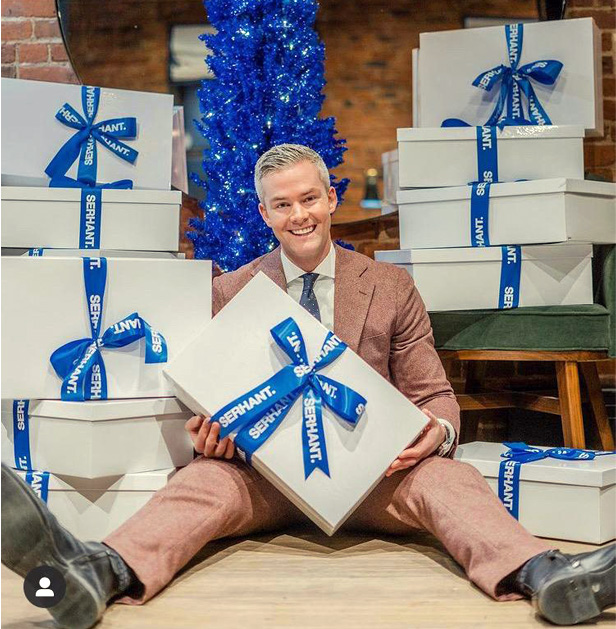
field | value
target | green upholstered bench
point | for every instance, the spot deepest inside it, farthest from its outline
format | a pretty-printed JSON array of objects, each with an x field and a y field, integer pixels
[{"x": 573, "y": 337}]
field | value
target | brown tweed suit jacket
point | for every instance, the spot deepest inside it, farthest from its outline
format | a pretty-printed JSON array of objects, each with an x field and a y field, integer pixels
[{"x": 379, "y": 314}]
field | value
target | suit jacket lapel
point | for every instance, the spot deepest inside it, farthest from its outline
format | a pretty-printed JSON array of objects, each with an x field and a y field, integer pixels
[
  {"x": 271, "y": 265},
  {"x": 352, "y": 296}
]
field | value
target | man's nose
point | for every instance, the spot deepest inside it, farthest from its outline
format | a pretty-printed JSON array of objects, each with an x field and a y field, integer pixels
[{"x": 298, "y": 213}]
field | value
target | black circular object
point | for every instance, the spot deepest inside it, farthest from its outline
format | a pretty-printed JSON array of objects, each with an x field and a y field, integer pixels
[{"x": 44, "y": 586}]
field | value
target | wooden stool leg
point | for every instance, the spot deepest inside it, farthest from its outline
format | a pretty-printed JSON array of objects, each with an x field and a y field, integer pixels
[
  {"x": 475, "y": 371},
  {"x": 597, "y": 404},
  {"x": 570, "y": 404}
]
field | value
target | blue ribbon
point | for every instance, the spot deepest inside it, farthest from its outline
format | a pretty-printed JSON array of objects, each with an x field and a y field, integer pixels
[
  {"x": 515, "y": 81},
  {"x": 258, "y": 413},
  {"x": 35, "y": 253},
  {"x": 39, "y": 481},
  {"x": 83, "y": 143},
  {"x": 518, "y": 454},
  {"x": 511, "y": 268},
  {"x": 480, "y": 215},
  {"x": 80, "y": 363}
]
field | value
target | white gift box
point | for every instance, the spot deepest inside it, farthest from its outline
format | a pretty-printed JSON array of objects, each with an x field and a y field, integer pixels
[
  {"x": 235, "y": 352},
  {"x": 101, "y": 437},
  {"x": 91, "y": 253},
  {"x": 448, "y": 157},
  {"x": 572, "y": 500},
  {"x": 31, "y": 134},
  {"x": 91, "y": 509},
  {"x": 469, "y": 278},
  {"x": 390, "y": 181},
  {"x": 44, "y": 306},
  {"x": 450, "y": 61},
  {"x": 130, "y": 219},
  {"x": 179, "y": 168},
  {"x": 546, "y": 210}
]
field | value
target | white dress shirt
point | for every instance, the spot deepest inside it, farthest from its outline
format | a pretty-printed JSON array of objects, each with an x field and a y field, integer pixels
[
  {"x": 324, "y": 292},
  {"x": 323, "y": 286}
]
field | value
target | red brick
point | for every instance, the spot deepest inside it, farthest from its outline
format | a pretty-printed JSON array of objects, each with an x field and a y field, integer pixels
[
  {"x": 57, "y": 74},
  {"x": 604, "y": 18},
  {"x": 608, "y": 66},
  {"x": 33, "y": 53},
  {"x": 606, "y": 41},
  {"x": 609, "y": 86},
  {"x": 16, "y": 30},
  {"x": 46, "y": 29},
  {"x": 9, "y": 72},
  {"x": 609, "y": 109},
  {"x": 58, "y": 52},
  {"x": 8, "y": 53},
  {"x": 581, "y": 4},
  {"x": 28, "y": 8}
]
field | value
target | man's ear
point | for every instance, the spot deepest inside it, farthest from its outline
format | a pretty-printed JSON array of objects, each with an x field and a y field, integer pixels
[
  {"x": 264, "y": 214},
  {"x": 332, "y": 199}
]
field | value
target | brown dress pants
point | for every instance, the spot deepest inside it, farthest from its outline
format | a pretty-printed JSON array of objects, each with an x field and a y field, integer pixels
[{"x": 211, "y": 499}]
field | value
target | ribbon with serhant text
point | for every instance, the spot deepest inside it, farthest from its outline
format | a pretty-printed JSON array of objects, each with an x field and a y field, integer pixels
[
  {"x": 511, "y": 269},
  {"x": 80, "y": 363},
  {"x": 38, "y": 480},
  {"x": 258, "y": 413},
  {"x": 83, "y": 144},
  {"x": 518, "y": 454}
]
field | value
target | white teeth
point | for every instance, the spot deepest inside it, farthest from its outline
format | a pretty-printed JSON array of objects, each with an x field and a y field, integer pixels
[{"x": 306, "y": 230}]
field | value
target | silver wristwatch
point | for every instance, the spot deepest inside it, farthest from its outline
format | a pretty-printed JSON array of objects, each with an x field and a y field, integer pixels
[{"x": 450, "y": 437}]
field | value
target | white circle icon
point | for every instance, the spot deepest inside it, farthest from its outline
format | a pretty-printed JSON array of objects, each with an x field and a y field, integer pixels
[{"x": 44, "y": 583}]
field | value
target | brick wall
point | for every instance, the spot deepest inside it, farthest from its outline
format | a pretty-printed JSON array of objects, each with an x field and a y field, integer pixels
[
  {"x": 600, "y": 153},
  {"x": 32, "y": 46}
]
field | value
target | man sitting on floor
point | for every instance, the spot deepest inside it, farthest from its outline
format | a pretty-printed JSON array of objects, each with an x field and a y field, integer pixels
[{"x": 374, "y": 308}]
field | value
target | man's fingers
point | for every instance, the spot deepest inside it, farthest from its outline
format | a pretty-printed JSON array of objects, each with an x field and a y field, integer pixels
[
  {"x": 193, "y": 424},
  {"x": 212, "y": 439},
  {"x": 230, "y": 451},
  {"x": 199, "y": 440},
  {"x": 221, "y": 448}
]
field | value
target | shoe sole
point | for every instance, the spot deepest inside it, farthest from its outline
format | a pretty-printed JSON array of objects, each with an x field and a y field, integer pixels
[
  {"x": 569, "y": 601},
  {"x": 31, "y": 524}
]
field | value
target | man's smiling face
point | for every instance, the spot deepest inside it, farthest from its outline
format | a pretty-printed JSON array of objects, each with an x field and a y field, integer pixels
[{"x": 298, "y": 208}]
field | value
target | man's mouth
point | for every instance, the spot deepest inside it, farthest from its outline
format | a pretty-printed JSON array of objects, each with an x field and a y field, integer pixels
[{"x": 304, "y": 231}]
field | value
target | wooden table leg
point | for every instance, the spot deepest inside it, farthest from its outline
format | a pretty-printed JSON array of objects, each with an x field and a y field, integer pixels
[
  {"x": 597, "y": 404},
  {"x": 571, "y": 416}
]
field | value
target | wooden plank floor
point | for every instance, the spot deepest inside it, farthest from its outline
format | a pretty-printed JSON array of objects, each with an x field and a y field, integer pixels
[{"x": 305, "y": 580}]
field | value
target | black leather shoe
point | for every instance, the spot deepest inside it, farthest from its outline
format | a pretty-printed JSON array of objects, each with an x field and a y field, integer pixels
[
  {"x": 31, "y": 537},
  {"x": 568, "y": 589}
]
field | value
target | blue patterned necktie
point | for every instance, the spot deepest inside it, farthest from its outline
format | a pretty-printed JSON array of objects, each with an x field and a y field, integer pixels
[{"x": 308, "y": 299}]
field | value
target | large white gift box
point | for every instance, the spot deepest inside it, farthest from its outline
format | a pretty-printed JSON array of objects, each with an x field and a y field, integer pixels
[
  {"x": 89, "y": 253},
  {"x": 128, "y": 219},
  {"x": 542, "y": 211},
  {"x": 559, "y": 499},
  {"x": 91, "y": 509},
  {"x": 449, "y": 62},
  {"x": 44, "y": 306},
  {"x": 430, "y": 158},
  {"x": 469, "y": 278},
  {"x": 31, "y": 134},
  {"x": 235, "y": 353},
  {"x": 98, "y": 437}
]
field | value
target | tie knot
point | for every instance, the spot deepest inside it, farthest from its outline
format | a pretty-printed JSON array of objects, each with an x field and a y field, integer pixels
[{"x": 309, "y": 280}]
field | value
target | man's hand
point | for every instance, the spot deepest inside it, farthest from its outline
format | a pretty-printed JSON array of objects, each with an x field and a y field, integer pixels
[
  {"x": 205, "y": 440},
  {"x": 428, "y": 441}
]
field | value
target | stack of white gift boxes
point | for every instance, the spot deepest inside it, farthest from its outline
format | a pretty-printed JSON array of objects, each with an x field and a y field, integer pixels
[
  {"x": 465, "y": 192},
  {"x": 95, "y": 299},
  {"x": 499, "y": 216}
]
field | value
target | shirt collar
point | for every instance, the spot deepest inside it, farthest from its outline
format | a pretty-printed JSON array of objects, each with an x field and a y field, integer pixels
[{"x": 326, "y": 268}]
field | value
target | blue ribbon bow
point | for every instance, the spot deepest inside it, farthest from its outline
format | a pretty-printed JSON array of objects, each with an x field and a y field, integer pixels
[
  {"x": 520, "y": 453},
  {"x": 80, "y": 363},
  {"x": 82, "y": 144},
  {"x": 258, "y": 413},
  {"x": 516, "y": 80}
]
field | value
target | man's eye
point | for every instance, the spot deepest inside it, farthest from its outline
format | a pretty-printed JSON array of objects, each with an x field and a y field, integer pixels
[{"x": 310, "y": 198}]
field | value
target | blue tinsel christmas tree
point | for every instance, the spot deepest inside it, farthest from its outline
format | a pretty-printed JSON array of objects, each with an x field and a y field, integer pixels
[{"x": 268, "y": 64}]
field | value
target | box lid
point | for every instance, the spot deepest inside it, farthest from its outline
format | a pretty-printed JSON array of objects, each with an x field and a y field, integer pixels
[
  {"x": 514, "y": 188},
  {"x": 142, "y": 481},
  {"x": 482, "y": 254},
  {"x": 91, "y": 253},
  {"x": 102, "y": 410},
  {"x": 432, "y": 134},
  {"x": 600, "y": 472},
  {"x": 24, "y": 193}
]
